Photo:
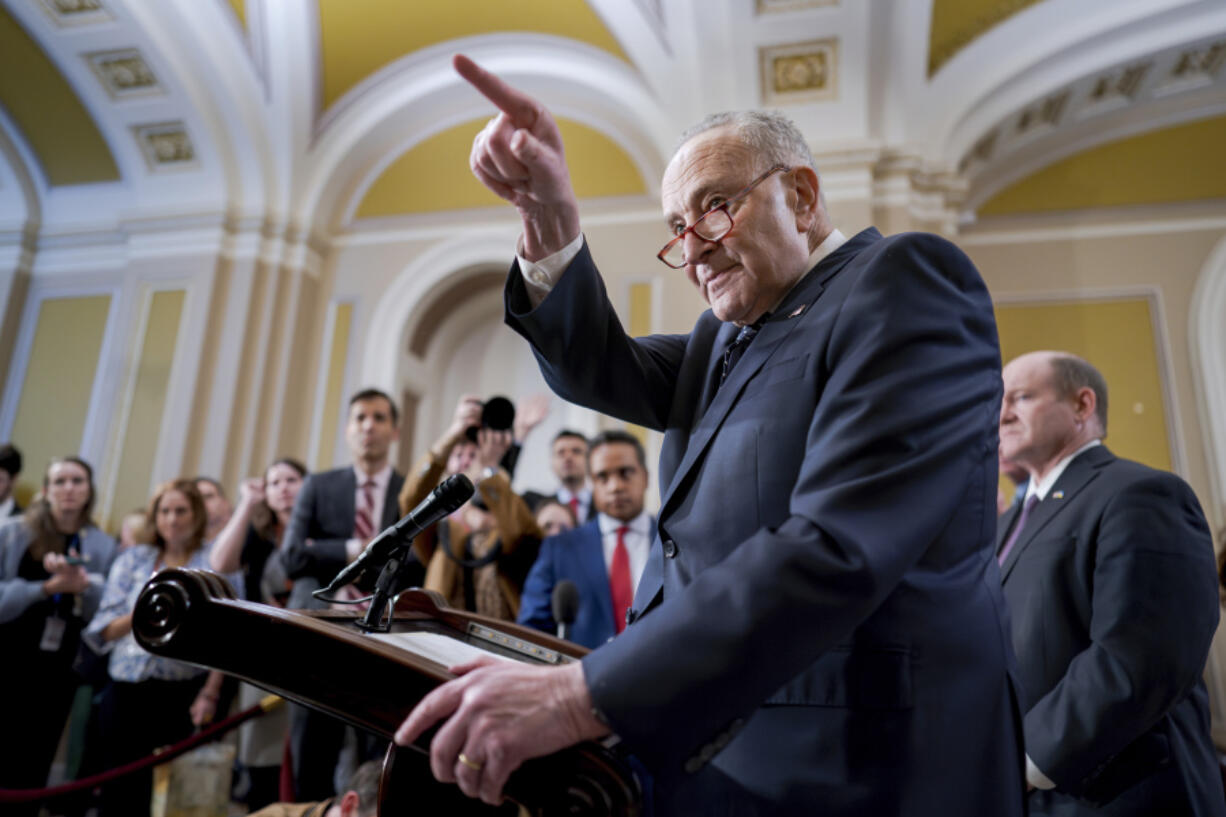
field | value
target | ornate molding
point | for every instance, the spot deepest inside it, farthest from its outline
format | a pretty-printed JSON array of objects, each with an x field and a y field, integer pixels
[
  {"x": 774, "y": 6},
  {"x": 76, "y": 12},
  {"x": 165, "y": 145},
  {"x": 123, "y": 73},
  {"x": 799, "y": 72}
]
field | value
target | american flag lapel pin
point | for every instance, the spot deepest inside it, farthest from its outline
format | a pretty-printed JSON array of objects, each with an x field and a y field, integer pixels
[{"x": 1057, "y": 495}]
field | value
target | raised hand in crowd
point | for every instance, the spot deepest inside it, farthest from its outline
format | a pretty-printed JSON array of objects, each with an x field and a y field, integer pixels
[
  {"x": 491, "y": 446},
  {"x": 467, "y": 414},
  {"x": 529, "y": 414}
]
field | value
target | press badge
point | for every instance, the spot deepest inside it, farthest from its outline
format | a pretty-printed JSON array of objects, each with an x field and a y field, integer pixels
[{"x": 53, "y": 634}]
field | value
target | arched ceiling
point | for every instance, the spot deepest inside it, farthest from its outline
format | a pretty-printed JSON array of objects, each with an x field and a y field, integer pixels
[
  {"x": 317, "y": 114},
  {"x": 42, "y": 105}
]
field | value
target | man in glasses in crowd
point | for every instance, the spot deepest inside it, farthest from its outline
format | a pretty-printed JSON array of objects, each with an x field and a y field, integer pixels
[{"x": 820, "y": 628}]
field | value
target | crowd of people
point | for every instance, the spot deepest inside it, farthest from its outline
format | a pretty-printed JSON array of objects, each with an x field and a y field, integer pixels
[{"x": 68, "y": 588}]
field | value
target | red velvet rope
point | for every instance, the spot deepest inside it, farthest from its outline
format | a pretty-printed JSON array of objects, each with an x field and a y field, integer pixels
[{"x": 163, "y": 755}]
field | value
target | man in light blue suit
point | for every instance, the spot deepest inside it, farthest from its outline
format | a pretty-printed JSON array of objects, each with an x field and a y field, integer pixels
[{"x": 589, "y": 554}]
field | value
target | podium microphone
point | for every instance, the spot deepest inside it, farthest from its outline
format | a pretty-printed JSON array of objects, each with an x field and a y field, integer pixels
[
  {"x": 565, "y": 602},
  {"x": 449, "y": 495}
]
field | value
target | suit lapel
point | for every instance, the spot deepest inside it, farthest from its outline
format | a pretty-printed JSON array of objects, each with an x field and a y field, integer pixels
[
  {"x": 1080, "y": 472},
  {"x": 391, "y": 500},
  {"x": 788, "y": 316}
]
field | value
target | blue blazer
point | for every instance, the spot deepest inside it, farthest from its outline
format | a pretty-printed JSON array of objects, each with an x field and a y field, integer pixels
[
  {"x": 577, "y": 555},
  {"x": 826, "y": 629}
]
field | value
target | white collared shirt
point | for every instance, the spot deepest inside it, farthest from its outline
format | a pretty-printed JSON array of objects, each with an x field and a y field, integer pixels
[
  {"x": 1040, "y": 487},
  {"x": 637, "y": 540},
  {"x": 584, "y": 495},
  {"x": 6, "y": 508}
]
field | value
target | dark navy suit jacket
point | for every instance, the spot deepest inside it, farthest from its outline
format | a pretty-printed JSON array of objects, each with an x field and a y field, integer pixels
[
  {"x": 1112, "y": 588},
  {"x": 577, "y": 555},
  {"x": 323, "y": 514},
  {"x": 825, "y": 631}
]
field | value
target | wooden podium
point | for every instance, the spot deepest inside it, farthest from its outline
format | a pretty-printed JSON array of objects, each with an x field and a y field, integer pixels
[{"x": 322, "y": 660}]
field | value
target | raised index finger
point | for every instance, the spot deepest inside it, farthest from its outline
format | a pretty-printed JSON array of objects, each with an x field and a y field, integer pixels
[{"x": 521, "y": 108}]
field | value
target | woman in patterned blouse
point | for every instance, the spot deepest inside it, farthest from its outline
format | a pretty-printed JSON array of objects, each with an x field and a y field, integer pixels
[{"x": 150, "y": 701}]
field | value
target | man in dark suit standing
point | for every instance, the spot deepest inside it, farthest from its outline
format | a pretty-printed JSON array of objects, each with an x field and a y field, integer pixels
[
  {"x": 825, "y": 630},
  {"x": 605, "y": 557},
  {"x": 337, "y": 513},
  {"x": 1109, "y": 572}
]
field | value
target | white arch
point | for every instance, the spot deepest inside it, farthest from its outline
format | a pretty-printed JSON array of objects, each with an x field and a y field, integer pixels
[
  {"x": 421, "y": 95},
  {"x": 1207, "y": 341},
  {"x": 1043, "y": 48},
  {"x": 436, "y": 266}
]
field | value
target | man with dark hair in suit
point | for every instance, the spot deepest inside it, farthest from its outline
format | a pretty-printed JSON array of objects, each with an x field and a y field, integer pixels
[
  {"x": 568, "y": 456},
  {"x": 1109, "y": 573},
  {"x": 10, "y": 468},
  {"x": 336, "y": 515},
  {"x": 825, "y": 629},
  {"x": 604, "y": 557}
]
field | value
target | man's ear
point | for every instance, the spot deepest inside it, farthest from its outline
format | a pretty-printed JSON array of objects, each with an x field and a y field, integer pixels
[
  {"x": 349, "y": 804},
  {"x": 1085, "y": 402},
  {"x": 807, "y": 189}
]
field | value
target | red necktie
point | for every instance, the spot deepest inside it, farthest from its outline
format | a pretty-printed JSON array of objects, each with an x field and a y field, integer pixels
[
  {"x": 574, "y": 507},
  {"x": 363, "y": 520},
  {"x": 620, "y": 586}
]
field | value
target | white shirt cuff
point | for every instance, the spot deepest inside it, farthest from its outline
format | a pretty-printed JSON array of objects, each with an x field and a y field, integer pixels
[
  {"x": 541, "y": 276},
  {"x": 1035, "y": 777}
]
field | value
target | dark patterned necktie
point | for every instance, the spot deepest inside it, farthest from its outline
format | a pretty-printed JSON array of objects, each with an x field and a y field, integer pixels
[{"x": 738, "y": 346}]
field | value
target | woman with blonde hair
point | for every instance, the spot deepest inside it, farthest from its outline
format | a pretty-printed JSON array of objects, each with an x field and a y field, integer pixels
[
  {"x": 52, "y": 563},
  {"x": 150, "y": 701}
]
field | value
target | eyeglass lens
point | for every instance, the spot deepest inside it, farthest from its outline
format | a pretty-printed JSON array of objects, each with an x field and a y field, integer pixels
[{"x": 711, "y": 227}]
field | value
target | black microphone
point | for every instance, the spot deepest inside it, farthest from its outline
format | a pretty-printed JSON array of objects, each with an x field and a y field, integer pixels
[
  {"x": 449, "y": 495},
  {"x": 565, "y": 606}
]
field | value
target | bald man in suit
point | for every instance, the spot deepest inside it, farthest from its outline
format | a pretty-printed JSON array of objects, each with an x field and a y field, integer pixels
[{"x": 1109, "y": 571}]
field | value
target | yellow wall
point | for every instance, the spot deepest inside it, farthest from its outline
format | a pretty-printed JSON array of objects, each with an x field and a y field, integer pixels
[
  {"x": 55, "y": 394},
  {"x": 140, "y": 439},
  {"x": 1181, "y": 163},
  {"x": 434, "y": 174},
  {"x": 1117, "y": 337},
  {"x": 358, "y": 37},
  {"x": 57, "y": 126}
]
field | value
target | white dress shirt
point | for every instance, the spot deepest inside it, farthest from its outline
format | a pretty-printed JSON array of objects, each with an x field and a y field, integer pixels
[
  {"x": 637, "y": 540},
  {"x": 584, "y": 495}
]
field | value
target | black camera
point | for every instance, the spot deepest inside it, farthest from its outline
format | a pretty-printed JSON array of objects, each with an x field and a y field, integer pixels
[{"x": 497, "y": 413}]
